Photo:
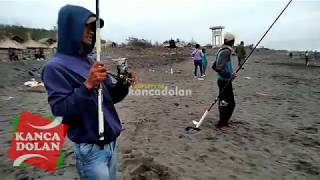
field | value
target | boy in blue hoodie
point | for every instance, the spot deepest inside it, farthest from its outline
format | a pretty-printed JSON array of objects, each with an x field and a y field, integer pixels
[{"x": 71, "y": 80}]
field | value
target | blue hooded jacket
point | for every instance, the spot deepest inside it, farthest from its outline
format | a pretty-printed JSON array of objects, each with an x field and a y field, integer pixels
[{"x": 64, "y": 77}]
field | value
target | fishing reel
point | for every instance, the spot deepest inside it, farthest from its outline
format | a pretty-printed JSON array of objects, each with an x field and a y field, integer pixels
[
  {"x": 122, "y": 75},
  {"x": 122, "y": 69}
]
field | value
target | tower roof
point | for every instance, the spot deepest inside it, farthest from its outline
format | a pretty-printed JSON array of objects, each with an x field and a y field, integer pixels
[{"x": 216, "y": 27}]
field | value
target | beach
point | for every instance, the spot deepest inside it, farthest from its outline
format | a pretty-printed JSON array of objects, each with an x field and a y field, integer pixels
[{"x": 277, "y": 119}]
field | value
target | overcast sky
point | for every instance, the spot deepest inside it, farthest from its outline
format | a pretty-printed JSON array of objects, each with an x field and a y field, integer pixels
[{"x": 159, "y": 20}]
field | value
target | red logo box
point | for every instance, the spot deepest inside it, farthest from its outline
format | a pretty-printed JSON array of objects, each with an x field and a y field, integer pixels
[{"x": 37, "y": 141}]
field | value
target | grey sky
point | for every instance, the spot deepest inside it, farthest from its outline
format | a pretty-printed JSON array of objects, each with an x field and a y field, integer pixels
[{"x": 159, "y": 20}]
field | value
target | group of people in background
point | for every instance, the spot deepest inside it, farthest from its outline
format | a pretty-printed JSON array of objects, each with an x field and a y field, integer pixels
[
  {"x": 308, "y": 56},
  {"x": 199, "y": 57}
]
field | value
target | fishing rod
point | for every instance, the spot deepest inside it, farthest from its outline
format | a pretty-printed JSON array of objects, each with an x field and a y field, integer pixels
[
  {"x": 100, "y": 95},
  {"x": 198, "y": 123}
]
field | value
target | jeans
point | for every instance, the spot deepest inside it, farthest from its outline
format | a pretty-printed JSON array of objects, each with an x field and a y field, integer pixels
[
  {"x": 93, "y": 163},
  {"x": 196, "y": 64}
]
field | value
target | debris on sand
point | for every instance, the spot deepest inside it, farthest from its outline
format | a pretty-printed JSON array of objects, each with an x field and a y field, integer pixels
[
  {"x": 262, "y": 94},
  {"x": 33, "y": 83},
  {"x": 8, "y": 98}
]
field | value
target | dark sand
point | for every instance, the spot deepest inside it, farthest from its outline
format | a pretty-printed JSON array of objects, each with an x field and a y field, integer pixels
[{"x": 277, "y": 113}]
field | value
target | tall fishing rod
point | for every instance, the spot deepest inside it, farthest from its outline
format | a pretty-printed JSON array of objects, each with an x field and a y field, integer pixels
[
  {"x": 198, "y": 123},
  {"x": 100, "y": 95}
]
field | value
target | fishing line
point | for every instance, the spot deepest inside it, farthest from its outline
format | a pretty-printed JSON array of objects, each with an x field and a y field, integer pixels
[{"x": 198, "y": 123}]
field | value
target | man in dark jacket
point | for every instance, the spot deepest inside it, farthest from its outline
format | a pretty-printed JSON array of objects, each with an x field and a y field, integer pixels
[
  {"x": 241, "y": 53},
  {"x": 225, "y": 75},
  {"x": 71, "y": 80}
]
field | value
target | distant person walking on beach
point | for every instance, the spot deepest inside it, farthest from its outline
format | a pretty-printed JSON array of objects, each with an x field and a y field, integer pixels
[
  {"x": 223, "y": 66},
  {"x": 316, "y": 55},
  {"x": 197, "y": 57},
  {"x": 290, "y": 55},
  {"x": 204, "y": 62},
  {"x": 12, "y": 55},
  {"x": 241, "y": 53},
  {"x": 306, "y": 56},
  {"x": 71, "y": 80}
]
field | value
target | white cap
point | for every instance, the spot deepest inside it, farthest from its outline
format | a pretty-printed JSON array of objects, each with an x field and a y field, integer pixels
[
  {"x": 228, "y": 37},
  {"x": 91, "y": 19}
]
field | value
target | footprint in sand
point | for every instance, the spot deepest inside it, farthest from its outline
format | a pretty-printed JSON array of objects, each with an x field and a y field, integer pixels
[
  {"x": 309, "y": 130},
  {"x": 307, "y": 167},
  {"x": 305, "y": 141},
  {"x": 141, "y": 168}
]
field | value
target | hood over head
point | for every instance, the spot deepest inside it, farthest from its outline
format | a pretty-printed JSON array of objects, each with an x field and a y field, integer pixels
[{"x": 71, "y": 23}]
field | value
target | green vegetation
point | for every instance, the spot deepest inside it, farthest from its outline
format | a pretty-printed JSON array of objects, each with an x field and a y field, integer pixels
[{"x": 23, "y": 32}]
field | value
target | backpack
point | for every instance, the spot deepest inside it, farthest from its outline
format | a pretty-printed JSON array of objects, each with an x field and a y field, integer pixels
[
  {"x": 194, "y": 54},
  {"x": 214, "y": 65}
]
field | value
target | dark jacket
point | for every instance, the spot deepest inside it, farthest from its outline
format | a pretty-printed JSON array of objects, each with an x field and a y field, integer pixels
[
  {"x": 241, "y": 52},
  {"x": 64, "y": 77}
]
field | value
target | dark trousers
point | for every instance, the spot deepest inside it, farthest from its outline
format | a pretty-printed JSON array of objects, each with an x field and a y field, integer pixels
[
  {"x": 240, "y": 61},
  {"x": 307, "y": 60},
  {"x": 226, "y": 102},
  {"x": 196, "y": 64}
]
